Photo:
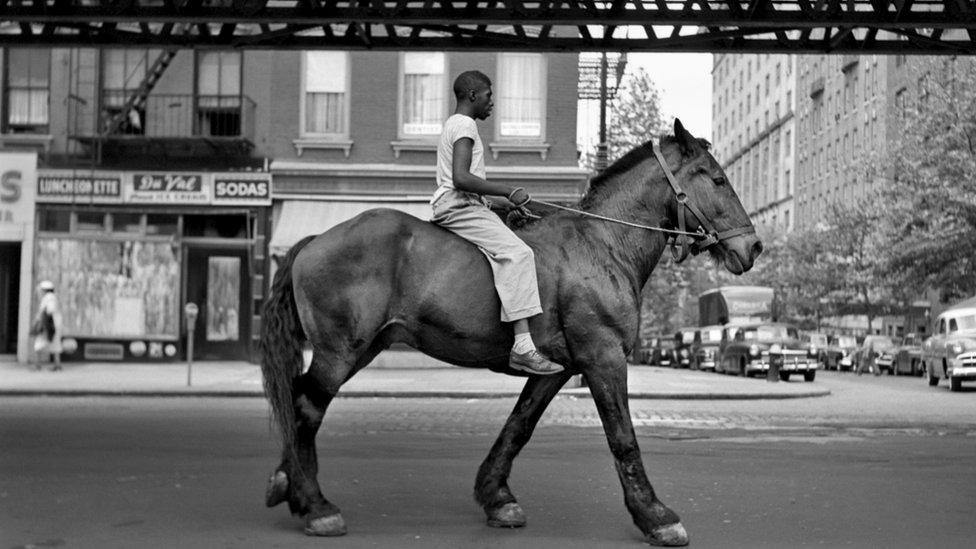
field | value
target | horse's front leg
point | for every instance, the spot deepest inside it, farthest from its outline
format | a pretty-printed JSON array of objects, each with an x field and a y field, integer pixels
[
  {"x": 607, "y": 379},
  {"x": 491, "y": 485}
]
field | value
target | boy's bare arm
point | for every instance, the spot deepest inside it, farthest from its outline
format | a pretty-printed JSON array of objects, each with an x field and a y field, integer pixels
[{"x": 464, "y": 180}]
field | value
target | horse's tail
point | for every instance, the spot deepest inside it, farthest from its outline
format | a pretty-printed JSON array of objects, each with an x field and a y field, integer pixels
[{"x": 281, "y": 346}]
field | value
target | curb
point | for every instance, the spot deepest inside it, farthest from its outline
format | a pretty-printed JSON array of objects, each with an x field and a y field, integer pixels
[{"x": 405, "y": 394}]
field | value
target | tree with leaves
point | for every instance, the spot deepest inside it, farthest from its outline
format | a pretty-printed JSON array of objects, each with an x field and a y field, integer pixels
[
  {"x": 930, "y": 193},
  {"x": 633, "y": 118}
]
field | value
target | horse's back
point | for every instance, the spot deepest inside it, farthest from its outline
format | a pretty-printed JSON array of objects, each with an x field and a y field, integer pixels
[{"x": 388, "y": 269}]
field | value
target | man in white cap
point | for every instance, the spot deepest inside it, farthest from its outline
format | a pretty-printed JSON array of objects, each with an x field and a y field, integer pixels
[{"x": 47, "y": 326}]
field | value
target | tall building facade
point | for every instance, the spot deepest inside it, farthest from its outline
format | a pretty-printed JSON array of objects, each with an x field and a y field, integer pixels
[
  {"x": 753, "y": 130},
  {"x": 170, "y": 178},
  {"x": 844, "y": 115}
]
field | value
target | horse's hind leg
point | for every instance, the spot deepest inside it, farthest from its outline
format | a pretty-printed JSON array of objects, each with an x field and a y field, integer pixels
[
  {"x": 296, "y": 480},
  {"x": 491, "y": 485},
  {"x": 660, "y": 525}
]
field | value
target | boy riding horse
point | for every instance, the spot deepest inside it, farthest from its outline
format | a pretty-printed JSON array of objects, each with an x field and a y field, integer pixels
[{"x": 460, "y": 207}]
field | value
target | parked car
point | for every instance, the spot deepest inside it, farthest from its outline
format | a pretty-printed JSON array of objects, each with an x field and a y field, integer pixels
[
  {"x": 951, "y": 351},
  {"x": 656, "y": 350},
  {"x": 746, "y": 350},
  {"x": 876, "y": 351},
  {"x": 710, "y": 339},
  {"x": 816, "y": 344},
  {"x": 685, "y": 346},
  {"x": 838, "y": 353},
  {"x": 908, "y": 356}
]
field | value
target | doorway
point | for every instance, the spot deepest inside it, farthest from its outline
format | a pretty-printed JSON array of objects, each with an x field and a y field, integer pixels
[
  {"x": 9, "y": 295},
  {"x": 217, "y": 281}
]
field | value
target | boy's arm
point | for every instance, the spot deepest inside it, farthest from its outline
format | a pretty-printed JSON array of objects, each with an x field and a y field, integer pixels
[{"x": 466, "y": 181}]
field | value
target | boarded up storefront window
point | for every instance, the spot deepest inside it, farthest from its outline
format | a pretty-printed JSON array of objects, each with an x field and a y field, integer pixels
[{"x": 123, "y": 288}]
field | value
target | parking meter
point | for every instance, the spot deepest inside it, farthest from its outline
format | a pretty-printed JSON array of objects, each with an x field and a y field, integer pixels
[
  {"x": 191, "y": 311},
  {"x": 775, "y": 362}
]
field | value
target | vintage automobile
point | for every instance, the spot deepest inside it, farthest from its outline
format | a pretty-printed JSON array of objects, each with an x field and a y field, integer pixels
[
  {"x": 686, "y": 342},
  {"x": 908, "y": 356},
  {"x": 746, "y": 350},
  {"x": 816, "y": 344},
  {"x": 951, "y": 351},
  {"x": 656, "y": 350},
  {"x": 710, "y": 339},
  {"x": 838, "y": 353},
  {"x": 877, "y": 351}
]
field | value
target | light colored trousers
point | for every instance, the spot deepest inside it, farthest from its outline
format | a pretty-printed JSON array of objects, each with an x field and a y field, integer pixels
[{"x": 512, "y": 261}]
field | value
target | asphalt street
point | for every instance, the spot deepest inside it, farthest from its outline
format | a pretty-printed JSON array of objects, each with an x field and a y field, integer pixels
[{"x": 882, "y": 462}]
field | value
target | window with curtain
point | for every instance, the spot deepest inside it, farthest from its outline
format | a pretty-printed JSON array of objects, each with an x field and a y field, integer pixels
[
  {"x": 28, "y": 90},
  {"x": 326, "y": 93},
  {"x": 521, "y": 83},
  {"x": 219, "y": 78},
  {"x": 424, "y": 93},
  {"x": 123, "y": 70},
  {"x": 219, "y": 93}
]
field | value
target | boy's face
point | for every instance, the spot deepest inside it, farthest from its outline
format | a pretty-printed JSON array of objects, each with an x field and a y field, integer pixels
[{"x": 481, "y": 99}]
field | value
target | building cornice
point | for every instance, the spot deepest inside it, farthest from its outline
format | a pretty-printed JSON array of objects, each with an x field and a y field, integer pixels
[{"x": 756, "y": 140}]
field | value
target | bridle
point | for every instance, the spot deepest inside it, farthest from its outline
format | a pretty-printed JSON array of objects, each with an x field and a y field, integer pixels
[
  {"x": 681, "y": 241},
  {"x": 706, "y": 236}
]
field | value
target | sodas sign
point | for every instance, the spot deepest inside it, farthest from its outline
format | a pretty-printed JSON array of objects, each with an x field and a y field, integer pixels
[{"x": 242, "y": 190}]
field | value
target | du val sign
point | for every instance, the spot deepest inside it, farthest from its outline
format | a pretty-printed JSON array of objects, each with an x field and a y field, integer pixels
[{"x": 168, "y": 188}]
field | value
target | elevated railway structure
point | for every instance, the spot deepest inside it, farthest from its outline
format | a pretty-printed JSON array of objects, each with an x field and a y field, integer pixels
[{"x": 755, "y": 26}]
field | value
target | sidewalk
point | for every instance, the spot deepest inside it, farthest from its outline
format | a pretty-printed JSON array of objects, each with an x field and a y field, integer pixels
[{"x": 393, "y": 374}]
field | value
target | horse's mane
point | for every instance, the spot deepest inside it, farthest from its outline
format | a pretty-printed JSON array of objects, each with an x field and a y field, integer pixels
[{"x": 625, "y": 163}]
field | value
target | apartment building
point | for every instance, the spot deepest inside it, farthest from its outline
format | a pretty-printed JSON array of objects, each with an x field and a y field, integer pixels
[
  {"x": 169, "y": 178},
  {"x": 753, "y": 132}
]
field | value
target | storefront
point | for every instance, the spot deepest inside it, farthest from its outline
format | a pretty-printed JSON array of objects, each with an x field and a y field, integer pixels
[
  {"x": 18, "y": 174},
  {"x": 128, "y": 251}
]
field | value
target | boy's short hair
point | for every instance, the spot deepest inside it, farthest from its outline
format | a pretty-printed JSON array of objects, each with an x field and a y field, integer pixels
[{"x": 470, "y": 81}]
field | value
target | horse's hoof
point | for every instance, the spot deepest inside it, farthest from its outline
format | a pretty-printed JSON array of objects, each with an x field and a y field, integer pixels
[
  {"x": 509, "y": 515},
  {"x": 672, "y": 535},
  {"x": 332, "y": 525},
  {"x": 277, "y": 490}
]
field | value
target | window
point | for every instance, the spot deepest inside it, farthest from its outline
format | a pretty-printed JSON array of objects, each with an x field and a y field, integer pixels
[
  {"x": 900, "y": 104},
  {"x": 923, "y": 91},
  {"x": 423, "y": 93},
  {"x": 219, "y": 93},
  {"x": 325, "y": 104},
  {"x": 521, "y": 84},
  {"x": 28, "y": 90},
  {"x": 123, "y": 71}
]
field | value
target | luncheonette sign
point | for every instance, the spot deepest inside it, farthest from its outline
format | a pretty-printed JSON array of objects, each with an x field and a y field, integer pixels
[
  {"x": 230, "y": 189},
  {"x": 68, "y": 187}
]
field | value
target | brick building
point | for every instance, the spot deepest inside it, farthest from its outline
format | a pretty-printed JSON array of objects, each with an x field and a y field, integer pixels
[{"x": 170, "y": 177}]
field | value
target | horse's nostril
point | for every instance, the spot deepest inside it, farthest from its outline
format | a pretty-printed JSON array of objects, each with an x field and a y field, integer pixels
[{"x": 757, "y": 249}]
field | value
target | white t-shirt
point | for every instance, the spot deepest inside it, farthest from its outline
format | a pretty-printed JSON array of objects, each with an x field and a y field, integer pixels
[{"x": 456, "y": 127}]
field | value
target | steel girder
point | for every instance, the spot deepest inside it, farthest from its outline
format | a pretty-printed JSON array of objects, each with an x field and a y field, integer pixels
[{"x": 763, "y": 26}]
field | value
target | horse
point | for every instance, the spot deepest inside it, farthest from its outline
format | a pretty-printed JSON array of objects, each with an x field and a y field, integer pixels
[{"x": 385, "y": 276}]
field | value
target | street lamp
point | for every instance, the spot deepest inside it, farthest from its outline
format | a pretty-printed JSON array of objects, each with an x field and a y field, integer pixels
[{"x": 595, "y": 83}]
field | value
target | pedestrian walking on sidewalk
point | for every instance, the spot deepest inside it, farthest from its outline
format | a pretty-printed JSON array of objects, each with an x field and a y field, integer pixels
[{"x": 46, "y": 327}]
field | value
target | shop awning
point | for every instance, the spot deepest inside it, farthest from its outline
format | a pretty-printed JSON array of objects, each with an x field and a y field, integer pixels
[{"x": 297, "y": 219}]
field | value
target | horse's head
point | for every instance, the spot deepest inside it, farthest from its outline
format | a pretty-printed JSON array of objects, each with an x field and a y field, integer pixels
[{"x": 710, "y": 204}]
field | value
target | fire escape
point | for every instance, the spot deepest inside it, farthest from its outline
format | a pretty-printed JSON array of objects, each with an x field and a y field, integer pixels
[{"x": 137, "y": 126}]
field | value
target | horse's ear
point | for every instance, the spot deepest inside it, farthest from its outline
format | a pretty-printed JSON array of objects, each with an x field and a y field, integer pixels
[{"x": 686, "y": 141}]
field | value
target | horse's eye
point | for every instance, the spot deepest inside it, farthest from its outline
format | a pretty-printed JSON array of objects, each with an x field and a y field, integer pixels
[{"x": 720, "y": 181}]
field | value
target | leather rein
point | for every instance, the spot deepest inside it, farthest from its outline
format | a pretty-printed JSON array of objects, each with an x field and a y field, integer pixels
[{"x": 681, "y": 241}]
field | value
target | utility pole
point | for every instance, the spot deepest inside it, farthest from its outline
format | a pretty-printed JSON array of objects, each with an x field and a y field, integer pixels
[{"x": 595, "y": 83}]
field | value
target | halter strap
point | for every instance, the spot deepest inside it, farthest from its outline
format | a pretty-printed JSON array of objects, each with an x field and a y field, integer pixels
[{"x": 706, "y": 236}]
